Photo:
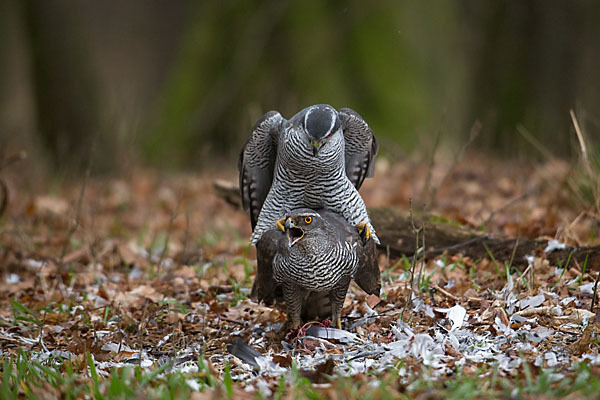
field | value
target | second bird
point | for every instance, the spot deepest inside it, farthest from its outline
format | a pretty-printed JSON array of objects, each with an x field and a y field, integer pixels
[{"x": 309, "y": 260}]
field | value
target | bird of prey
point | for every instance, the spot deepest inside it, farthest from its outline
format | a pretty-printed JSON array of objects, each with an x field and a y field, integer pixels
[
  {"x": 318, "y": 159},
  {"x": 308, "y": 261}
]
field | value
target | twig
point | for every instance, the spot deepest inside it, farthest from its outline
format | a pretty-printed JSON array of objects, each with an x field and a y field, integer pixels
[
  {"x": 140, "y": 338},
  {"x": 508, "y": 204},
  {"x": 475, "y": 299},
  {"x": 174, "y": 347},
  {"x": 41, "y": 338},
  {"x": 581, "y": 143},
  {"x": 444, "y": 292},
  {"x": 568, "y": 230},
  {"x": 163, "y": 253},
  {"x": 594, "y": 296},
  {"x": 186, "y": 235},
  {"x": 474, "y": 132},
  {"x": 422, "y": 269},
  {"x": 431, "y": 165},
  {"x": 79, "y": 205},
  {"x": 77, "y": 216},
  {"x": 414, "y": 260},
  {"x": 512, "y": 256},
  {"x": 549, "y": 311},
  {"x": 525, "y": 272},
  {"x": 588, "y": 167},
  {"x": 533, "y": 141}
]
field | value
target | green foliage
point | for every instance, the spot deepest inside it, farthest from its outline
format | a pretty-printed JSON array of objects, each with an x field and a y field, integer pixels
[
  {"x": 22, "y": 377},
  {"x": 286, "y": 56},
  {"x": 227, "y": 381},
  {"x": 204, "y": 72},
  {"x": 23, "y": 314}
]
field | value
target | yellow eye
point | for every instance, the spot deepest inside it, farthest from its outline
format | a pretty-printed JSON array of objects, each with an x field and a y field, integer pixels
[{"x": 308, "y": 220}]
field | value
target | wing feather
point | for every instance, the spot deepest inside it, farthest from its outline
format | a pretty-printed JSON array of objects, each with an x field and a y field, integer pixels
[
  {"x": 367, "y": 275},
  {"x": 257, "y": 163},
  {"x": 265, "y": 288},
  {"x": 361, "y": 146}
]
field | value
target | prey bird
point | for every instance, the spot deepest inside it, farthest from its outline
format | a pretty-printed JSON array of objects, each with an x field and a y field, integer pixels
[
  {"x": 308, "y": 260},
  {"x": 317, "y": 159}
]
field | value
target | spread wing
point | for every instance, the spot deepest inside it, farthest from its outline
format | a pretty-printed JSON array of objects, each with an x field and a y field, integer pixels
[
  {"x": 367, "y": 276},
  {"x": 265, "y": 288},
  {"x": 361, "y": 146},
  {"x": 257, "y": 162}
]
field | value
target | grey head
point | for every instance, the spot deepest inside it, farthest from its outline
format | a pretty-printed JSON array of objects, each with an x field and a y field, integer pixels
[
  {"x": 304, "y": 229},
  {"x": 320, "y": 122}
]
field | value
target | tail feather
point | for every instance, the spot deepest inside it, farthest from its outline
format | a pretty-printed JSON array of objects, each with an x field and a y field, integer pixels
[{"x": 241, "y": 350}]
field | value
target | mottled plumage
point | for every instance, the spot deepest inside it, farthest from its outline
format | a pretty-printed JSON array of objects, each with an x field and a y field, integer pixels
[
  {"x": 318, "y": 159},
  {"x": 309, "y": 261}
]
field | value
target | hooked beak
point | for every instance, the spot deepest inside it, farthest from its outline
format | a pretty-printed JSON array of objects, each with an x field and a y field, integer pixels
[
  {"x": 316, "y": 146},
  {"x": 294, "y": 233},
  {"x": 288, "y": 223}
]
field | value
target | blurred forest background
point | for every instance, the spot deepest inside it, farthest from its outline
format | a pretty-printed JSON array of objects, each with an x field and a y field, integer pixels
[{"x": 179, "y": 84}]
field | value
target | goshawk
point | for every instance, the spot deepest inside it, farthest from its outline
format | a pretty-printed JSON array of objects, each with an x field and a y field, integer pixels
[
  {"x": 308, "y": 261},
  {"x": 318, "y": 159}
]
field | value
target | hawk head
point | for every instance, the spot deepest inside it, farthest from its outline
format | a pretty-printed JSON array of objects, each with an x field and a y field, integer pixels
[
  {"x": 301, "y": 225},
  {"x": 321, "y": 121}
]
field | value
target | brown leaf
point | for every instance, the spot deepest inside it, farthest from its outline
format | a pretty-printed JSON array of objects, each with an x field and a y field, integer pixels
[
  {"x": 500, "y": 313},
  {"x": 321, "y": 372},
  {"x": 373, "y": 300},
  {"x": 49, "y": 205},
  {"x": 284, "y": 361},
  {"x": 147, "y": 292},
  {"x": 80, "y": 255},
  {"x": 127, "y": 254}
]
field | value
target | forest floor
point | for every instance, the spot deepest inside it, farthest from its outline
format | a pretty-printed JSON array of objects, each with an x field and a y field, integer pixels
[{"x": 135, "y": 286}]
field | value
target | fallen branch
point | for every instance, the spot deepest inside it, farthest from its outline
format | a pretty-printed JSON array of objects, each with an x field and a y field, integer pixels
[{"x": 395, "y": 231}]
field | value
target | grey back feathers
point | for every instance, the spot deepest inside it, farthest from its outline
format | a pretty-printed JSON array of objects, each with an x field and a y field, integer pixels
[{"x": 316, "y": 159}]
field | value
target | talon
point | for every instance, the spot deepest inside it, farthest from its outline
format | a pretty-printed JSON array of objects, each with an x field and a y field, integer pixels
[
  {"x": 280, "y": 224},
  {"x": 364, "y": 231},
  {"x": 338, "y": 323}
]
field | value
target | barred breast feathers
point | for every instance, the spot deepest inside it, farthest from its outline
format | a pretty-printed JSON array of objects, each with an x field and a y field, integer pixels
[
  {"x": 301, "y": 179},
  {"x": 317, "y": 265}
]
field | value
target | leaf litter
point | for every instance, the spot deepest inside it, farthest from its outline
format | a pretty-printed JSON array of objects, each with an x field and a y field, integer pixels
[{"x": 157, "y": 272}]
